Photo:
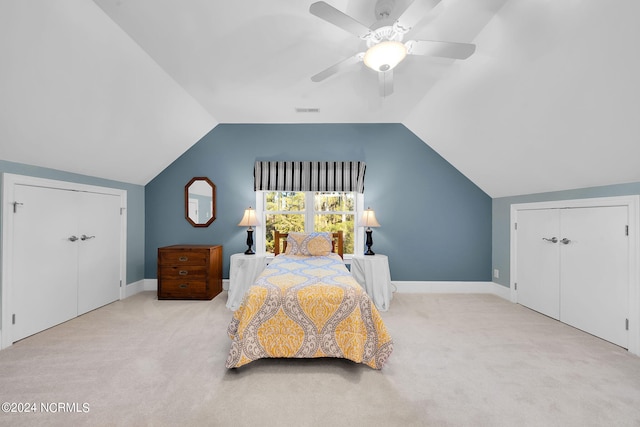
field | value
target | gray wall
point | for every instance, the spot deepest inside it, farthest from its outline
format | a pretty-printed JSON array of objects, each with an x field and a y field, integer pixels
[
  {"x": 435, "y": 223},
  {"x": 135, "y": 208},
  {"x": 501, "y": 212}
]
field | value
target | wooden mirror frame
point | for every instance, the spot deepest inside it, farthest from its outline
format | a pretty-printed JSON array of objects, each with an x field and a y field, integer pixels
[{"x": 213, "y": 201}]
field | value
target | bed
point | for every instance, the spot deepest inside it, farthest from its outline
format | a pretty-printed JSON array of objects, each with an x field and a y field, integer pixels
[{"x": 306, "y": 304}]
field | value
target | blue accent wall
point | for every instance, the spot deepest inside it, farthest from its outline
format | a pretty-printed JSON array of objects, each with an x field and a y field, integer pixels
[
  {"x": 501, "y": 213},
  {"x": 135, "y": 208},
  {"x": 435, "y": 223}
]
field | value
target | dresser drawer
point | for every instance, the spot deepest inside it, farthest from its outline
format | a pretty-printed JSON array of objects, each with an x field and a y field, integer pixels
[
  {"x": 183, "y": 257},
  {"x": 176, "y": 288},
  {"x": 183, "y": 271}
]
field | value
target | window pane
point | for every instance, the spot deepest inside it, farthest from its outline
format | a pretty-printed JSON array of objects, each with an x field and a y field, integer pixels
[
  {"x": 284, "y": 201},
  {"x": 284, "y": 223},
  {"x": 335, "y": 202},
  {"x": 338, "y": 222}
]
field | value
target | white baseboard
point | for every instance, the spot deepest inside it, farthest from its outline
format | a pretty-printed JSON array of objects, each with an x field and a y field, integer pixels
[
  {"x": 133, "y": 288},
  {"x": 139, "y": 286},
  {"x": 453, "y": 288},
  {"x": 501, "y": 291},
  {"x": 401, "y": 287},
  {"x": 152, "y": 285}
]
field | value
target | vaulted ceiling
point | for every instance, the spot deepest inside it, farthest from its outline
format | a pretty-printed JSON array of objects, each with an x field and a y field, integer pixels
[{"x": 120, "y": 88}]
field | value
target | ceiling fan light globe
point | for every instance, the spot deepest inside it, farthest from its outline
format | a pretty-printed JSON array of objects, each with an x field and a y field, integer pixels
[{"x": 384, "y": 56}]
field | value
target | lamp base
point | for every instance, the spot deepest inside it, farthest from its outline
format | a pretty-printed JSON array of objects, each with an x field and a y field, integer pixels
[
  {"x": 369, "y": 242},
  {"x": 249, "y": 242}
]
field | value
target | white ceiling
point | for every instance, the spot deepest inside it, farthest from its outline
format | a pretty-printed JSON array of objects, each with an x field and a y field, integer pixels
[
  {"x": 549, "y": 101},
  {"x": 77, "y": 94},
  {"x": 251, "y": 61}
]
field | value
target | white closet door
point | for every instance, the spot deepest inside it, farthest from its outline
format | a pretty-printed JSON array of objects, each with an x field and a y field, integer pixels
[
  {"x": 538, "y": 261},
  {"x": 45, "y": 290},
  {"x": 99, "y": 250},
  {"x": 594, "y": 274}
]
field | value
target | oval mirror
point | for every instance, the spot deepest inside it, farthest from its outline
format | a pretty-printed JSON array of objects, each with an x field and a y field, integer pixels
[{"x": 200, "y": 201}]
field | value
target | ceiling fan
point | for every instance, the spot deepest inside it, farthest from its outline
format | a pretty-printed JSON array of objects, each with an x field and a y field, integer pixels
[{"x": 385, "y": 46}]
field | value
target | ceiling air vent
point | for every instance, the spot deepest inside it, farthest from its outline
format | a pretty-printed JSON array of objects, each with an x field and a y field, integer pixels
[{"x": 307, "y": 110}]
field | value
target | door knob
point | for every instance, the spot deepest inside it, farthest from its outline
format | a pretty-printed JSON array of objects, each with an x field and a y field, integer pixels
[
  {"x": 73, "y": 238},
  {"x": 552, "y": 240},
  {"x": 565, "y": 241}
]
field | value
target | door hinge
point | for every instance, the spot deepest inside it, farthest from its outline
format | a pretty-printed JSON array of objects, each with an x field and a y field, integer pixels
[
  {"x": 515, "y": 225},
  {"x": 13, "y": 319},
  {"x": 515, "y": 286},
  {"x": 626, "y": 230},
  {"x": 122, "y": 210},
  {"x": 120, "y": 283},
  {"x": 626, "y": 324}
]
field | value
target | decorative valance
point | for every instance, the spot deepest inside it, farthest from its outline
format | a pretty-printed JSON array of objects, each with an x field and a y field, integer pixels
[{"x": 309, "y": 176}]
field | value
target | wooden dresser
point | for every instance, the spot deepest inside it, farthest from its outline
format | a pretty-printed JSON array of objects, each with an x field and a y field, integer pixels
[{"x": 189, "y": 272}]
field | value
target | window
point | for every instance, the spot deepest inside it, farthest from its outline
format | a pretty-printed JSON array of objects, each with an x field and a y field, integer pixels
[
  {"x": 308, "y": 196},
  {"x": 307, "y": 211}
]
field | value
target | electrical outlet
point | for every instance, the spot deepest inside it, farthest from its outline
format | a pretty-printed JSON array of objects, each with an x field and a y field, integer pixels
[{"x": 496, "y": 273}]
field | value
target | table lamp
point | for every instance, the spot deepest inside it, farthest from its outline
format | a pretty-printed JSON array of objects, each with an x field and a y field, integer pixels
[
  {"x": 249, "y": 220},
  {"x": 369, "y": 220}
]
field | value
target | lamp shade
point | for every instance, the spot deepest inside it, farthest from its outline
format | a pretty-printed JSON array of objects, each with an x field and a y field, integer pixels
[
  {"x": 368, "y": 219},
  {"x": 384, "y": 56},
  {"x": 249, "y": 218}
]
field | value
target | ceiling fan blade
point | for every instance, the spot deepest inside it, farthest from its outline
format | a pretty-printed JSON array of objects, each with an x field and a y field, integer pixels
[
  {"x": 414, "y": 13},
  {"x": 385, "y": 83},
  {"x": 340, "y": 66},
  {"x": 443, "y": 49},
  {"x": 331, "y": 14}
]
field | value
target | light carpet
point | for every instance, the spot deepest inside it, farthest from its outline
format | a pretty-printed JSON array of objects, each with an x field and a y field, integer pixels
[{"x": 459, "y": 360}]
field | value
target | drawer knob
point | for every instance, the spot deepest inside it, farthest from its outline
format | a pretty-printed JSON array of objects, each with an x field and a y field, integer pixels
[
  {"x": 183, "y": 272},
  {"x": 183, "y": 258},
  {"x": 183, "y": 285}
]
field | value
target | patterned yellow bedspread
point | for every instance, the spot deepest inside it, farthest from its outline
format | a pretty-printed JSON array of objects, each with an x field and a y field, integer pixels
[{"x": 306, "y": 307}]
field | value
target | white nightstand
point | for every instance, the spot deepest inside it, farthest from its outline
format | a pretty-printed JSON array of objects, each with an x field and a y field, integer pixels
[
  {"x": 243, "y": 272},
  {"x": 372, "y": 272}
]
